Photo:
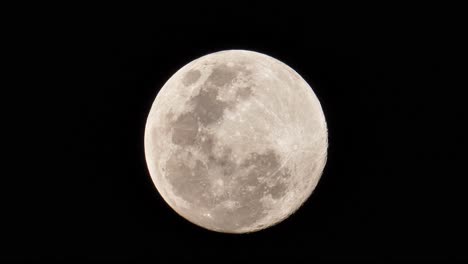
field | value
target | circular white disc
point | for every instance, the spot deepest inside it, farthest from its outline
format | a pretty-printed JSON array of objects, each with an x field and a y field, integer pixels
[{"x": 236, "y": 141}]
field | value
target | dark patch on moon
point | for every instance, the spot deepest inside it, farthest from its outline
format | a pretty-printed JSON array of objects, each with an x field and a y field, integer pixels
[
  {"x": 169, "y": 116},
  {"x": 185, "y": 130},
  {"x": 222, "y": 74},
  {"x": 207, "y": 108},
  {"x": 191, "y": 77}
]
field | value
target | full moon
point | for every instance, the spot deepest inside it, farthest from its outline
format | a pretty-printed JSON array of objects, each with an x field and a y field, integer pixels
[{"x": 236, "y": 141}]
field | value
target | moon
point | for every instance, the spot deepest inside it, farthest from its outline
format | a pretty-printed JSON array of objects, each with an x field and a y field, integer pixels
[{"x": 236, "y": 141}]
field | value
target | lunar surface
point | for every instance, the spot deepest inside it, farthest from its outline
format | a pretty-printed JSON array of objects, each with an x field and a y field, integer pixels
[{"x": 236, "y": 141}]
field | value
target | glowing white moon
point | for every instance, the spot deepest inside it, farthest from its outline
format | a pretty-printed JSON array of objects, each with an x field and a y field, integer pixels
[{"x": 236, "y": 141}]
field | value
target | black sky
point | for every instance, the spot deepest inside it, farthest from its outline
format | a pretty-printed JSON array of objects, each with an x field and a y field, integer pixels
[{"x": 393, "y": 187}]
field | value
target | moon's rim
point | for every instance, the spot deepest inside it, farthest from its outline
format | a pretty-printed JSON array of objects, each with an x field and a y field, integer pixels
[{"x": 147, "y": 152}]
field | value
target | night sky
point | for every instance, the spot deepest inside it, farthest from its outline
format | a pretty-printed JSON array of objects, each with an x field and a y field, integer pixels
[{"x": 393, "y": 187}]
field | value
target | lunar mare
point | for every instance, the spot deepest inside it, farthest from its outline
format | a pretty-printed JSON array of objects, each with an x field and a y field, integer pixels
[{"x": 236, "y": 141}]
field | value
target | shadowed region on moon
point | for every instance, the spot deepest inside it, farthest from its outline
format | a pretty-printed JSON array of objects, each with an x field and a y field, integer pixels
[{"x": 227, "y": 159}]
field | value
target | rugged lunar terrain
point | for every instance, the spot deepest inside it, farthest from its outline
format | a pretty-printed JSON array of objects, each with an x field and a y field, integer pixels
[{"x": 236, "y": 141}]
